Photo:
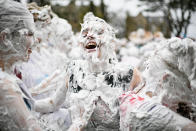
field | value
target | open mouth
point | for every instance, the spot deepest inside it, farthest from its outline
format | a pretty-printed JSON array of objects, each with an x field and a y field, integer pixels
[{"x": 91, "y": 45}]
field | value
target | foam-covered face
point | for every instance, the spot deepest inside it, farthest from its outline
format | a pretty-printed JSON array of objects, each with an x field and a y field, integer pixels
[
  {"x": 25, "y": 39},
  {"x": 15, "y": 46},
  {"x": 41, "y": 15},
  {"x": 95, "y": 38}
]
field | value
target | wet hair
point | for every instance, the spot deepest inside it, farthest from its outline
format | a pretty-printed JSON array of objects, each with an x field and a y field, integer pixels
[
  {"x": 90, "y": 17},
  {"x": 15, "y": 22},
  {"x": 14, "y": 16}
]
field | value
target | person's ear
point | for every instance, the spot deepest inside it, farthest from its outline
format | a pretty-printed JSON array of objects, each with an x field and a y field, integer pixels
[
  {"x": 3, "y": 34},
  {"x": 2, "y": 37}
]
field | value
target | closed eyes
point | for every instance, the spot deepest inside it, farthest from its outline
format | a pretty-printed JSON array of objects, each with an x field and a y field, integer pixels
[
  {"x": 85, "y": 32},
  {"x": 100, "y": 32}
]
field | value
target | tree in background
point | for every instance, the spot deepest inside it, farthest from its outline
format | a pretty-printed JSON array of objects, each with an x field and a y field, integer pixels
[
  {"x": 130, "y": 25},
  {"x": 44, "y": 2},
  {"x": 70, "y": 13},
  {"x": 39, "y": 2},
  {"x": 74, "y": 13},
  {"x": 103, "y": 10},
  {"x": 92, "y": 7},
  {"x": 177, "y": 13}
]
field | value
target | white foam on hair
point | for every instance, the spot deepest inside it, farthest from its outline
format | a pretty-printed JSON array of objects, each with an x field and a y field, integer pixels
[{"x": 15, "y": 23}]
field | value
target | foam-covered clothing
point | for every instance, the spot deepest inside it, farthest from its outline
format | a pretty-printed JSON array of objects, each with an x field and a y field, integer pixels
[
  {"x": 96, "y": 94},
  {"x": 138, "y": 114},
  {"x": 14, "y": 114}
]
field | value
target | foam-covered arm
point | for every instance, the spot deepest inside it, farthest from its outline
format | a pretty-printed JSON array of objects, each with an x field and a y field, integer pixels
[
  {"x": 53, "y": 103},
  {"x": 45, "y": 85}
]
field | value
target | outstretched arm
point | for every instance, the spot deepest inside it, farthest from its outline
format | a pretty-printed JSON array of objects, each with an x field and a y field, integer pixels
[
  {"x": 46, "y": 85},
  {"x": 53, "y": 103}
]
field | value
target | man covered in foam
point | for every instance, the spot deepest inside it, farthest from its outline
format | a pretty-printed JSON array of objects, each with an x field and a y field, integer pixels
[
  {"x": 94, "y": 83},
  {"x": 95, "y": 90},
  {"x": 16, "y": 37}
]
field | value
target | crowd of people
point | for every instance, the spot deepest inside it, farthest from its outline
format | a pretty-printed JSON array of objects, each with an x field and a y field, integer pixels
[{"x": 53, "y": 79}]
